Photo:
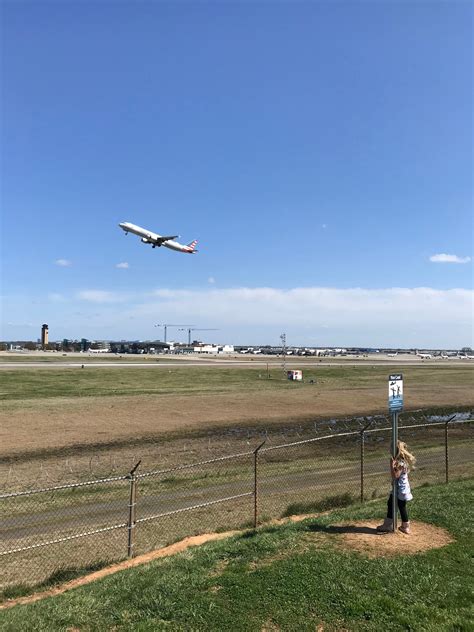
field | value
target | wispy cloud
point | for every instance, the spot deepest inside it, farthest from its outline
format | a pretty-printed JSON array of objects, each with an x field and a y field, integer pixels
[
  {"x": 123, "y": 265},
  {"x": 314, "y": 305},
  {"x": 55, "y": 297},
  {"x": 356, "y": 316},
  {"x": 102, "y": 296},
  {"x": 63, "y": 263},
  {"x": 211, "y": 280},
  {"x": 321, "y": 316},
  {"x": 443, "y": 258}
]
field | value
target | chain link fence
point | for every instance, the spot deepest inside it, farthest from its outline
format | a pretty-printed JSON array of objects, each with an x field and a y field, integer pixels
[{"x": 44, "y": 533}]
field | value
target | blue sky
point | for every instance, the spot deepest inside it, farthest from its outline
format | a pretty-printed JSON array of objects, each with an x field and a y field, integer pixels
[{"x": 321, "y": 153}]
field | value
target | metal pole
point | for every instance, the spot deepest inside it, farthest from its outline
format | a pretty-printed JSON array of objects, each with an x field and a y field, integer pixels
[
  {"x": 255, "y": 485},
  {"x": 362, "y": 455},
  {"x": 394, "y": 481},
  {"x": 446, "y": 451},
  {"x": 283, "y": 350},
  {"x": 132, "y": 509}
]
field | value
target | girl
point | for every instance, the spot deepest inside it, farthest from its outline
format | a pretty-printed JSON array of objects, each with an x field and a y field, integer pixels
[{"x": 399, "y": 468}]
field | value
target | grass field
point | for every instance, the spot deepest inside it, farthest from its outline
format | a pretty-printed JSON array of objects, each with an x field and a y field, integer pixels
[
  {"x": 65, "y": 423},
  {"x": 33, "y": 384},
  {"x": 294, "y": 577}
]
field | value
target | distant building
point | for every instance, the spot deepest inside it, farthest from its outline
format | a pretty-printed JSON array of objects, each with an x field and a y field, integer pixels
[
  {"x": 44, "y": 335},
  {"x": 209, "y": 349}
]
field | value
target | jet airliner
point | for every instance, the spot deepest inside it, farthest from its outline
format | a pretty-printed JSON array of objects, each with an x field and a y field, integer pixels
[
  {"x": 424, "y": 356},
  {"x": 148, "y": 237}
]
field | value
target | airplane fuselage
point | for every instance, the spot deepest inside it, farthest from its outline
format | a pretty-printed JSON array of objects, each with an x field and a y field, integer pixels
[{"x": 149, "y": 237}]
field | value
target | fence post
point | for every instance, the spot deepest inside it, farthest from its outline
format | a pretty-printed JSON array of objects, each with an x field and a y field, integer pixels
[
  {"x": 446, "y": 455},
  {"x": 362, "y": 454},
  {"x": 255, "y": 484},
  {"x": 131, "y": 508}
]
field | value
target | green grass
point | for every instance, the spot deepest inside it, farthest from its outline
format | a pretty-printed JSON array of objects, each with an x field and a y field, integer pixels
[
  {"x": 59, "y": 577},
  {"x": 18, "y": 384},
  {"x": 21, "y": 384},
  {"x": 330, "y": 502},
  {"x": 284, "y": 578}
]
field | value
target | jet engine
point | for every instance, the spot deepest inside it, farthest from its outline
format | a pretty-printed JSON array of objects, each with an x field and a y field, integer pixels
[{"x": 145, "y": 240}]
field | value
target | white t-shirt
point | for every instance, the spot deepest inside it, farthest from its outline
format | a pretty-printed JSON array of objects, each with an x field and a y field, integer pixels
[{"x": 403, "y": 484}]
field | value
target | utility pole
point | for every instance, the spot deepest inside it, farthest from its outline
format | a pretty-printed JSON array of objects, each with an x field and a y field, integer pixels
[
  {"x": 166, "y": 325},
  {"x": 283, "y": 350}
]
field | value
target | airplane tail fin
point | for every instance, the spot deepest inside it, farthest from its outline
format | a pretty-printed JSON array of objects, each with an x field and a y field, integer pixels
[{"x": 192, "y": 246}]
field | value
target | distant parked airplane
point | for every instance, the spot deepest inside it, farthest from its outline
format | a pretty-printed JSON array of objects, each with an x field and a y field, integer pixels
[
  {"x": 424, "y": 356},
  {"x": 148, "y": 237},
  {"x": 392, "y": 355}
]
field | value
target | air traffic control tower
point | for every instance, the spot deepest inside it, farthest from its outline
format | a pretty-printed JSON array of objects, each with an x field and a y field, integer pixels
[{"x": 44, "y": 335}]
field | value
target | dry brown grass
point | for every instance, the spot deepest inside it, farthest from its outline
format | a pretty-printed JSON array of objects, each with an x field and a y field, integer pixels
[{"x": 67, "y": 422}]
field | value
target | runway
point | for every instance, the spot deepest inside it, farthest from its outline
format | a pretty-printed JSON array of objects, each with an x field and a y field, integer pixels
[{"x": 290, "y": 363}]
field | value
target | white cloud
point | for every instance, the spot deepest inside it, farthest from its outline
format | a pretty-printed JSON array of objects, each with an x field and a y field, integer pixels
[
  {"x": 123, "y": 265},
  {"x": 101, "y": 296},
  {"x": 319, "y": 316},
  {"x": 314, "y": 304},
  {"x": 443, "y": 258},
  {"x": 63, "y": 263},
  {"x": 55, "y": 297},
  {"x": 356, "y": 316},
  {"x": 211, "y": 280}
]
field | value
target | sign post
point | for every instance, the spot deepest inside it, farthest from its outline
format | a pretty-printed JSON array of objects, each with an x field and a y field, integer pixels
[{"x": 395, "y": 406}]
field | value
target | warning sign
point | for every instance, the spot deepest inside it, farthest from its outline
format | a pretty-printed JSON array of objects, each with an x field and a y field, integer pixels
[{"x": 395, "y": 393}]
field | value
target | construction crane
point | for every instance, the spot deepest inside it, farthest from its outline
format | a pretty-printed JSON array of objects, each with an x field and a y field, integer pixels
[
  {"x": 190, "y": 329},
  {"x": 166, "y": 325}
]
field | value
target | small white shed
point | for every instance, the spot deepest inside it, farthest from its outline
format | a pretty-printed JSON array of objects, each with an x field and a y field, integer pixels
[{"x": 295, "y": 375}]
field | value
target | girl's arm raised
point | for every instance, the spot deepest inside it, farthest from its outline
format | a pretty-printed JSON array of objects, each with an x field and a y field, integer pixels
[{"x": 395, "y": 469}]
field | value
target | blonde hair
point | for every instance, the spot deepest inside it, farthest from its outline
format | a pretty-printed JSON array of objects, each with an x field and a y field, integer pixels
[{"x": 403, "y": 454}]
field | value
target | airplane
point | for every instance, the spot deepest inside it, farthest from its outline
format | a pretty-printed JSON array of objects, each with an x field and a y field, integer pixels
[
  {"x": 392, "y": 355},
  {"x": 424, "y": 356},
  {"x": 98, "y": 350},
  {"x": 148, "y": 237}
]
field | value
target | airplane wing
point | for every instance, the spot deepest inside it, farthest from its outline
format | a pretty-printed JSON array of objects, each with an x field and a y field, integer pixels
[{"x": 161, "y": 240}]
